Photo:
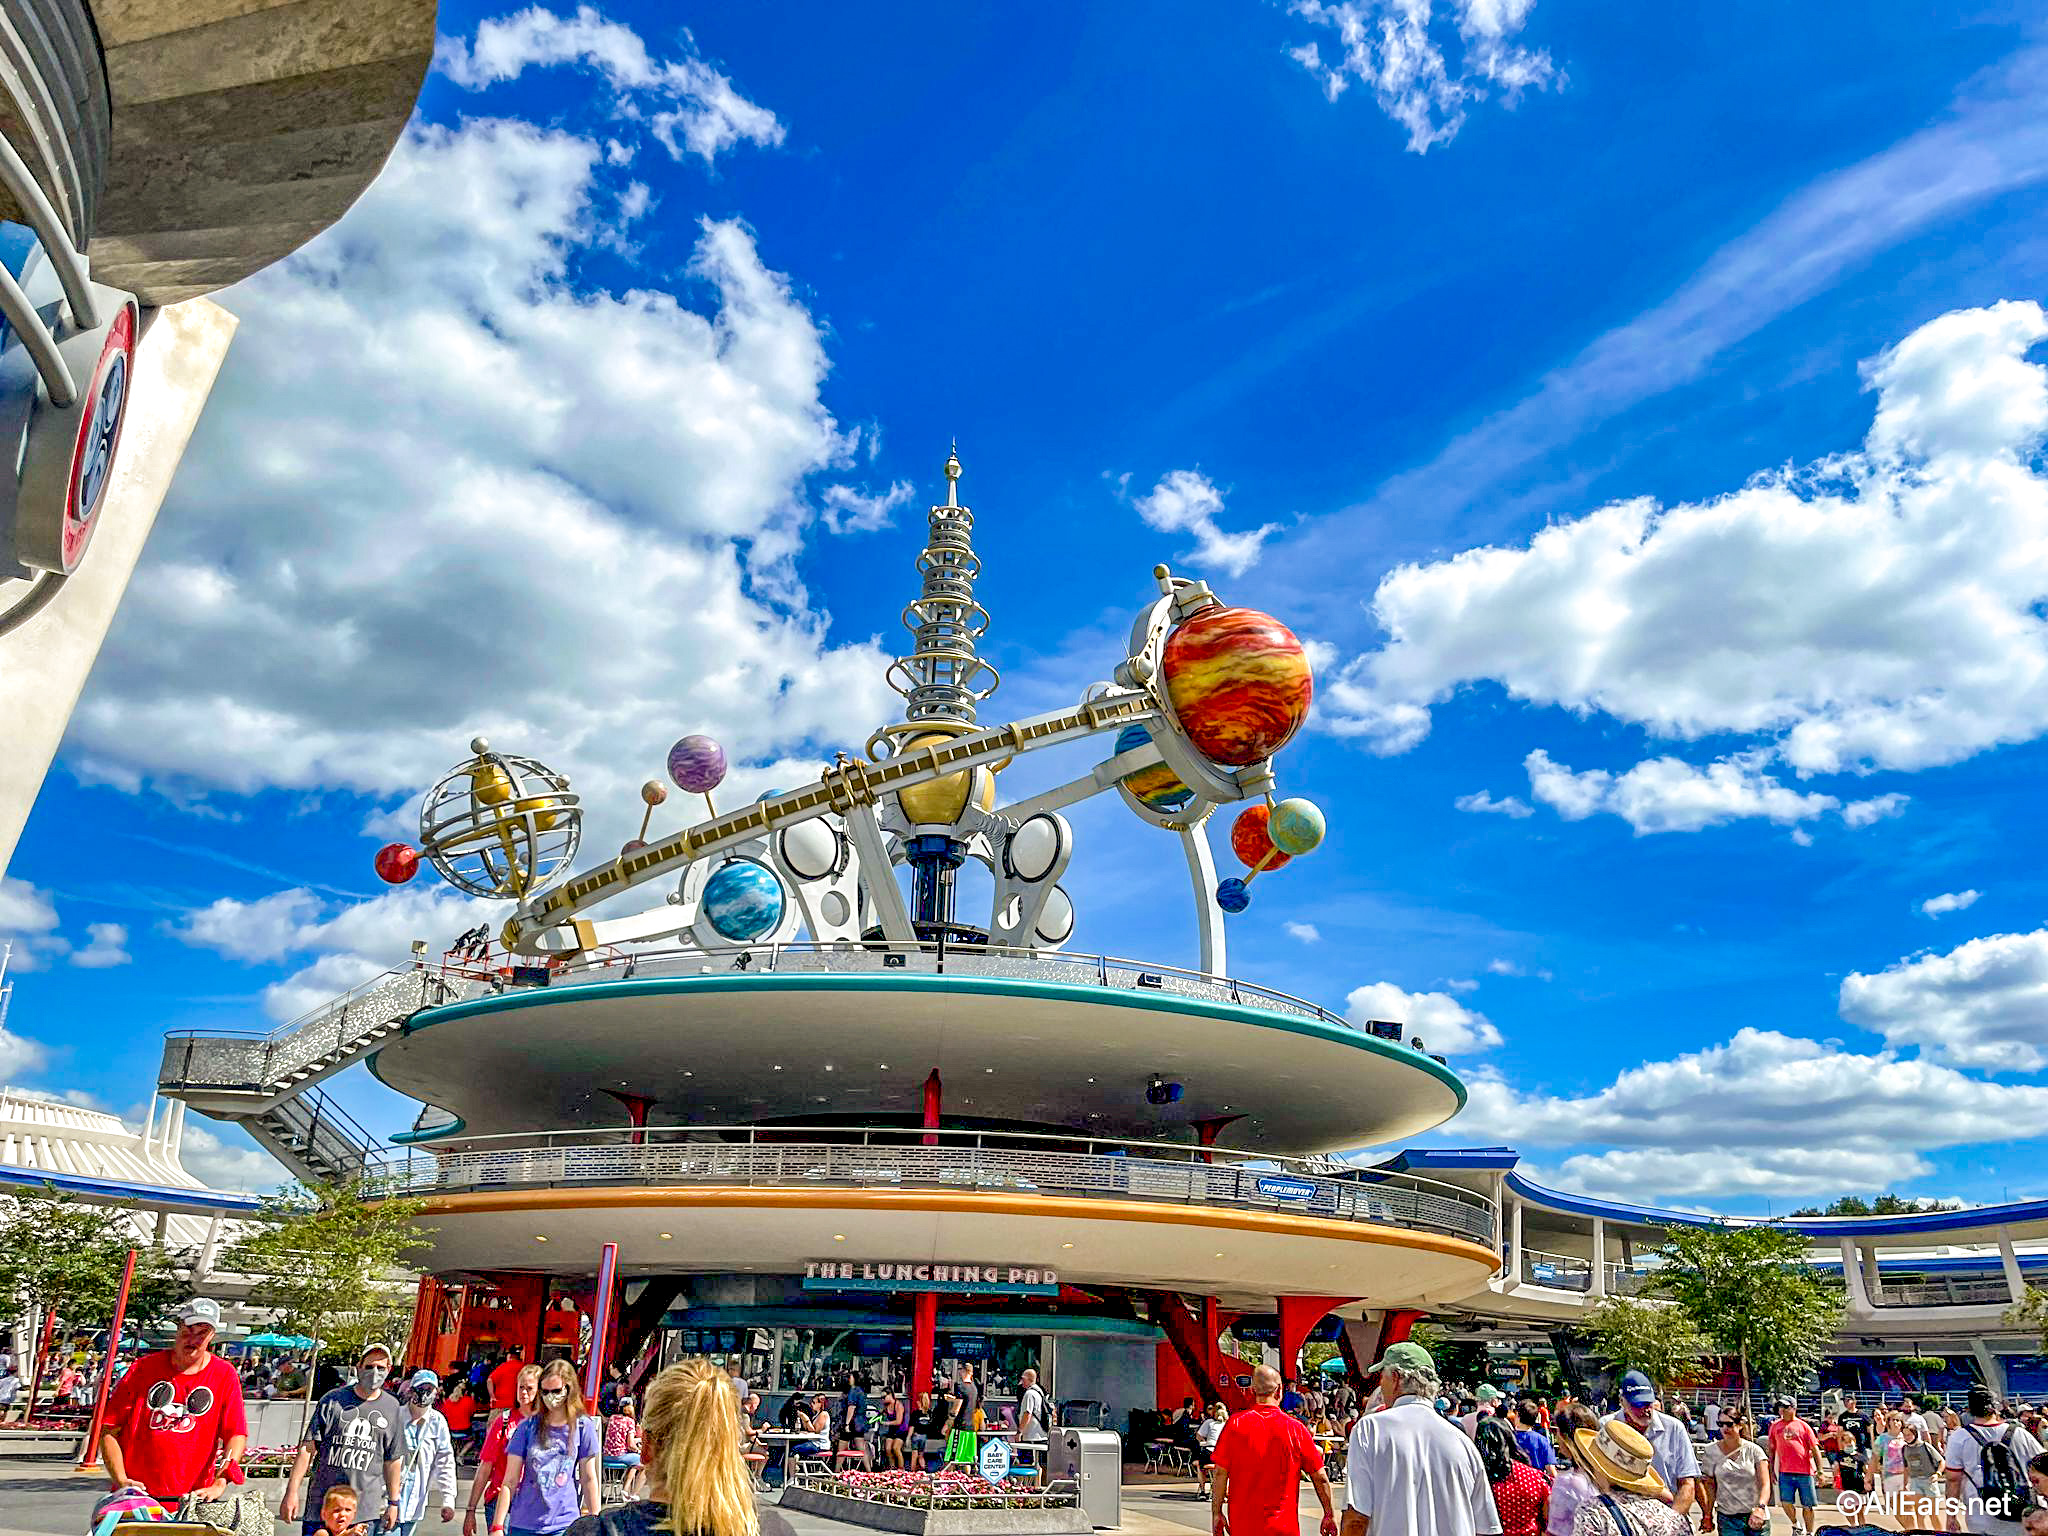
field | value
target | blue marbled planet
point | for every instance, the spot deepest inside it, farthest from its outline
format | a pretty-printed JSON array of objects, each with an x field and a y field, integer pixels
[{"x": 742, "y": 901}]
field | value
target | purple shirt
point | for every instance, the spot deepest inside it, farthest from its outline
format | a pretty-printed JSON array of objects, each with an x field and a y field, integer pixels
[{"x": 548, "y": 1490}]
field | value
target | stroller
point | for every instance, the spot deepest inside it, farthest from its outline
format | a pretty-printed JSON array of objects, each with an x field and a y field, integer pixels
[{"x": 240, "y": 1511}]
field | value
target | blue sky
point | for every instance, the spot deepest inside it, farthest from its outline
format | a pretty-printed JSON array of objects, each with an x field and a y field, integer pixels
[{"x": 1717, "y": 327}]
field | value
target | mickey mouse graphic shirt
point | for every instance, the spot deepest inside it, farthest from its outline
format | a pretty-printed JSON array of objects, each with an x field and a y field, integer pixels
[{"x": 171, "y": 1425}]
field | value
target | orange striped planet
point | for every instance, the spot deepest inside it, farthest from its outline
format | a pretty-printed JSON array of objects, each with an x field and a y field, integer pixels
[{"x": 1239, "y": 683}]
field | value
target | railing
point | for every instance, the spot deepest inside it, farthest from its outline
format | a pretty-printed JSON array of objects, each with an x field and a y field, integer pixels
[
  {"x": 1943, "y": 1293},
  {"x": 891, "y": 1159},
  {"x": 267, "y": 1061},
  {"x": 1568, "y": 1272}
]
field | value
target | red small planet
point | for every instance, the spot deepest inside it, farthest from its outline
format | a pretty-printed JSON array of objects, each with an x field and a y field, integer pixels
[
  {"x": 397, "y": 863},
  {"x": 1251, "y": 841}
]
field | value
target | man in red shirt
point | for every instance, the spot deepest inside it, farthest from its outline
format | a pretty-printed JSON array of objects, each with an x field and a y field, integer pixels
[
  {"x": 175, "y": 1412},
  {"x": 504, "y": 1380},
  {"x": 1260, "y": 1458},
  {"x": 1795, "y": 1456}
]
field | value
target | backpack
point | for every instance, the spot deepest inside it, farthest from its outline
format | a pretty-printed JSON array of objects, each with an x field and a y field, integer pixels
[{"x": 2000, "y": 1483}]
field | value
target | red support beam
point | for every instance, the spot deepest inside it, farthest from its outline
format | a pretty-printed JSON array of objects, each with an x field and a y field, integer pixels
[
  {"x": 601, "y": 1319},
  {"x": 637, "y": 1105},
  {"x": 1193, "y": 1341},
  {"x": 924, "y": 1337},
  {"x": 1298, "y": 1318},
  {"x": 99, "y": 1405},
  {"x": 1208, "y": 1130},
  {"x": 932, "y": 1093}
]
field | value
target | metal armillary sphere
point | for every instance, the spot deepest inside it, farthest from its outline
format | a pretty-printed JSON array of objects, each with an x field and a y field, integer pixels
[{"x": 500, "y": 825}]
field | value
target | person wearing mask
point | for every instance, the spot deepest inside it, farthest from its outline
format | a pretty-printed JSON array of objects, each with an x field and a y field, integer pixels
[
  {"x": 551, "y": 1462},
  {"x": 1632, "y": 1499},
  {"x": 1920, "y": 1461},
  {"x": 1987, "y": 1460},
  {"x": 427, "y": 1471},
  {"x": 697, "y": 1483},
  {"x": 1410, "y": 1471},
  {"x": 1795, "y": 1456},
  {"x": 1206, "y": 1436},
  {"x": 1570, "y": 1484},
  {"x": 1260, "y": 1459},
  {"x": 176, "y": 1414},
  {"x": 1734, "y": 1493},
  {"x": 1521, "y": 1494},
  {"x": 490, "y": 1462},
  {"x": 355, "y": 1436},
  {"x": 1677, "y": 1463}
]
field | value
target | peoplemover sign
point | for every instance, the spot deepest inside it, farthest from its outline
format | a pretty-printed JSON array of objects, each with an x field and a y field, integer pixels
[{"x": 1276, "y": 1186}]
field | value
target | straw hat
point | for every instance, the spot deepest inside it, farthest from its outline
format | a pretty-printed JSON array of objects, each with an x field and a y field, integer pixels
[{"x": 1619, "y": 1453}]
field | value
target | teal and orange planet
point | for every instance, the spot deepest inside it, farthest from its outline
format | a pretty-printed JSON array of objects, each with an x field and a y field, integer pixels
[
  {"x": 1239, "y": 683},
  {"x": 1158, "y": 787}
]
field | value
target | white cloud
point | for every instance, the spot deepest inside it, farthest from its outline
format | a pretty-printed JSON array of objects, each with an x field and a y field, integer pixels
[
  {"x": 842, "y": 509},
  {"x": 1462, "y": 985},
  {"x": 227, "y": 1159},
  {"x": 558, "y": 517},
  {"x": 1863, "y": 813},
  {"x": 1422, "y": 72},
  {"x": 1308, "y": 933},
  {"x": 1483, "y": 801},
  {"x": 1185, "y": 501},
  {"x": 1983, "y": 1004},
  {"x": 1803, "y": 1117},
  {"x": 1947, "y": 902},
  {"x": 1442, "y": 1023},
  {"x": 351, "y": 942},
  {"x": 28, "y": 922},
  {"x": 689, "y": 106},
  {"x": 105, "y": 947},
  {"x": 1878, "y": 609},
  {"x": 20, "y": 1055},
  {"x": 1666, "y": 795}
]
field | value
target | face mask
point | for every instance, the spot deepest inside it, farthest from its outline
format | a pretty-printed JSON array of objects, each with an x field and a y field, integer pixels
[
  {"x": 371, "y": 1377},
  {"x": 553, "y": 1396}
]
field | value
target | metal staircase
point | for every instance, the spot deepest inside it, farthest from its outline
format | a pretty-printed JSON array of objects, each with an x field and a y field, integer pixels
[{"x": 267, "y": 1083}]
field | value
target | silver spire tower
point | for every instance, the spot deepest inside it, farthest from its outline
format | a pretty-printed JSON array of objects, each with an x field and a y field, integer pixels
[{"x": 943, "y": 678}]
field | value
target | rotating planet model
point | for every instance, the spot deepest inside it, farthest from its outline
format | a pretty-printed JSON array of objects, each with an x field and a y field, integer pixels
[
  {"x": 1239, "y": 683},
  {"x": 1251, "y": 841},
  {"x": 1158, "y": 787},
  {"x": 499, "y": 825},
  {"x": 696, "y": 764},
  {"x": 742, "y": 901}
]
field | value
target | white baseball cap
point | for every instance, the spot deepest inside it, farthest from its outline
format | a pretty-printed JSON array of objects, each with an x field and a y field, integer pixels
[{"x": 199, "y": 1309}]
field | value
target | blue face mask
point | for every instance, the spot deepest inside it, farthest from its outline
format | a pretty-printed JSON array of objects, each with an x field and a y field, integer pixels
[{"x": 1443, "y": 1405}]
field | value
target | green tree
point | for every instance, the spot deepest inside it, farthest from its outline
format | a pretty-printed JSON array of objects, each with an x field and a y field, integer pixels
[
  {"x": 330, "y": 1261},
  {"x": 62, "y": 1258},
  {"x": 2031, "y": 1313},
  {"x": 1751, "y": 1293},
  {"x": 1886, "y": 1204},
  {"x": 1660, "y": 1341}
]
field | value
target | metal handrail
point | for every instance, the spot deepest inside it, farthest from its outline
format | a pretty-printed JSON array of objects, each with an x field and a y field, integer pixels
[{"x": 953, "y": 1159}]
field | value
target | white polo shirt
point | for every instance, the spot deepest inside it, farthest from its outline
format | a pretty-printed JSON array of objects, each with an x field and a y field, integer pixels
[
  {"x": 1671, "y": 1448},
  {"x": 1414, "y": 1473}
]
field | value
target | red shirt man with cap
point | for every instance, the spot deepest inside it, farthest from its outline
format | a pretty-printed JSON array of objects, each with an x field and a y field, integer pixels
[
  {"x": 175, "y": 1413},
  {"x": 1259, "y": 1461}
]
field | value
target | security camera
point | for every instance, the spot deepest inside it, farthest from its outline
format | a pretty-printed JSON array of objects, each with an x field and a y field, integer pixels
[{"x": 1161, "y": 1091}]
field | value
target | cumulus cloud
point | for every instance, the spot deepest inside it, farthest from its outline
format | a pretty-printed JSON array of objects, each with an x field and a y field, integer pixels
[
  {"x": 227, "y": 1159},
  {"x": 1983, "y": 1004},
  {"x": 28, "y": 924},
  {"x": 1499, "y": 967},
  {"x": 1186, "y": 501},
  {"x": 1483, "y": 801},
  {"x": 1810, "y": 1118},
  {"x": 549, "y": 514},
  {"x": 1424, "y": 63},
  {"x": 1308, "y": 933},
  {"x": 1882, "y": 608},
  {"x": 685, "y": 103},
  {"x": 1667, "y": 795},
  {"x": 1947, "y": 902},
  {"x": 1443, "y": 1023},
  {"x": 843, "y": 509},
  {"x": 350, "y": 942},
  {"x": 106, "y": 945}
]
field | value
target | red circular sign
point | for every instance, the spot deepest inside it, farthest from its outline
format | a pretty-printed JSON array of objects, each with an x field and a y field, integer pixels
[{"x": 99, "y": 435}]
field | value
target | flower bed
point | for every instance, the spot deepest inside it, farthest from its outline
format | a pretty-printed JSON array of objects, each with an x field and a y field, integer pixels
[
  {"x": 951, "y": 1488},
  {"x": 269, "y": 1460}
]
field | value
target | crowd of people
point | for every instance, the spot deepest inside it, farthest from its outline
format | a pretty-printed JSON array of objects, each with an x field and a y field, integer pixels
[{"x": 1426, "y": 1461}]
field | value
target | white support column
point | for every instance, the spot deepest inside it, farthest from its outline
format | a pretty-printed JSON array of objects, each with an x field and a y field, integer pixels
[
  {"x": 206, "y": 1251},
  {"x": 1852, "y": 1276},
  {"x": 1873, "y": 1277},
  {"x": 2015, "y": 1283},
  {"x": 1597, "y": 1289},
  {"x": 163, "y": 1227},
  {"x": 1194, "y": 842},
  {"x": 1514, "y": 1241}
]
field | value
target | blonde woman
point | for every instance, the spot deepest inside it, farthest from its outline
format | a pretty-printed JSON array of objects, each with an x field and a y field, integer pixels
[
  {"x": 490, "y": 1461},
  {"x": 698, "y": 1484},
  {"x": 551, "y": 1462}
]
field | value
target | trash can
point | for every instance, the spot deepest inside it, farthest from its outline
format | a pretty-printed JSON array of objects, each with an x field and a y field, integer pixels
[{"x": 1094, "y": 1458}]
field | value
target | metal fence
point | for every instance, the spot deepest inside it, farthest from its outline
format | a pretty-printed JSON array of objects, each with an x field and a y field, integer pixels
[{"x": 958, "y": 1160}]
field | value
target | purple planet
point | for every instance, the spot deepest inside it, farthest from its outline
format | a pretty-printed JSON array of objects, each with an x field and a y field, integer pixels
[{"x": 697, "y": 764}]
